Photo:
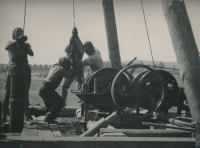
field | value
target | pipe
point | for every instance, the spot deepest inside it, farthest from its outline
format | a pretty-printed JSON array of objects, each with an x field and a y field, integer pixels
[
  {"x": 102, "y": 123},
  {"x": 17, "y": 87}
]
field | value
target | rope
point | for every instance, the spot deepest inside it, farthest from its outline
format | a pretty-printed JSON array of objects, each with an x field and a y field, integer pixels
[
  {"x": 74, "y": 13},
  {"x": 147, "y": 34},
  {"x": 24, "y": 16}
]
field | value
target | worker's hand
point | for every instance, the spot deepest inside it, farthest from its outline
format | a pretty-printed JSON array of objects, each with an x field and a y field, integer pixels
[
  {"x": 75, "y": 31},
  {"x": 22, "y": 39},
  {"x": 78, "y": 85},
  {"x": 72, "y": 39}
]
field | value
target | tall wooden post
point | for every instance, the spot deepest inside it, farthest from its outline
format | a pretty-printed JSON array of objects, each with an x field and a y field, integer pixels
[
  {"x": 186, "y": 53},
  {"x": 111, "y": 32}
]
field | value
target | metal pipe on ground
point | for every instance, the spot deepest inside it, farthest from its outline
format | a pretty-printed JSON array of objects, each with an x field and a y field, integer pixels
[
  {"x": 17, "y": 88},
  {"x": 174, "y": 121},
  {"x": 102, "y": 123},
  {"x": 148, "y": 133},
  {"x": 168, "y": 126}
]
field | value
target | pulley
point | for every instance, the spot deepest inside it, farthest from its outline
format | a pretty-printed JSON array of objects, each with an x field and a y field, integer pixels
[{"x": 142, "y": 95}]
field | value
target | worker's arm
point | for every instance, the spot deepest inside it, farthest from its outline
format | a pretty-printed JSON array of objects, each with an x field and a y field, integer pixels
[
  {"x": 78, "y": 41},
  {"x": 86, "y": 62},
  {"x": 10, "y": 45},
  {"x": 29, "y": 49}
]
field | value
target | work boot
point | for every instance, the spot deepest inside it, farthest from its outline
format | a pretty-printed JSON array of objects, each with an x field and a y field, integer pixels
[
  {"x": 27, "y": 121},
  {"x": 37, "y": 112},
  {"x": 50, "y": 120},
  {"x": 3, "y": 120}
]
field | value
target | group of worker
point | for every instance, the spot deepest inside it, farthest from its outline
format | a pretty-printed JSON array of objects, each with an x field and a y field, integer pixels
[{"x": 67, "y": 70}]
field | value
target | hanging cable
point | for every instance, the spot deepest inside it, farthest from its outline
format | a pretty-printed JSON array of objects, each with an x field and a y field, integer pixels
[
  {"x": 24, "y": 16},
  {"x": 74, "y": 13},
  {"x": 147, "y": 34}
]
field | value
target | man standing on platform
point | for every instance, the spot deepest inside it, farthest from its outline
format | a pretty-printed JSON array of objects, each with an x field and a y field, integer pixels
[{"x": 18, "y": 64}]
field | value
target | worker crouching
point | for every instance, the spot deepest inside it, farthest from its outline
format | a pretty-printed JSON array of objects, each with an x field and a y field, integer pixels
[{"x": 52, "y": 100}]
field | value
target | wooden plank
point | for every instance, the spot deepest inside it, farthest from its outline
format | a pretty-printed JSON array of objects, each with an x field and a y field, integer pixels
[
  {"x": 99, "y": 139},
  {"x": 40, "y": 118},
  {"x": 11, "y": 134},
  {"x": 30, "y": 130},
  {"x": 147, "y": 132},
  {"x": 54, "y": 130},
  {"x": 43, "y": 129}
]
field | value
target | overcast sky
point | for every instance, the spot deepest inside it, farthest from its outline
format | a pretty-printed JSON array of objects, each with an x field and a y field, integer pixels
[{"x": 49, "y": 24}]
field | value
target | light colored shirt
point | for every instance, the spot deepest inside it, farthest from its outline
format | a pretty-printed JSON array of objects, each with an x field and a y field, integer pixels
[
  {"x": 94, "y": 61},
  {"x": 55, "y": 75}
]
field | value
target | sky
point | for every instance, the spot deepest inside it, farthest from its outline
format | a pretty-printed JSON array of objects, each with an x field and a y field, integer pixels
[{"x": 49, "y": 24}]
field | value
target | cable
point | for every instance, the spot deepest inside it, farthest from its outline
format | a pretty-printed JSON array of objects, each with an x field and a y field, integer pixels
[
  {"x": 74, "y": 13},
  {"x": 24, "y": 16},
  {"x": 148, "y": 34}
]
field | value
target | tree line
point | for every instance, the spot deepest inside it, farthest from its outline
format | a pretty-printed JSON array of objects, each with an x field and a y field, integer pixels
[{"x": 87, "y": 68}]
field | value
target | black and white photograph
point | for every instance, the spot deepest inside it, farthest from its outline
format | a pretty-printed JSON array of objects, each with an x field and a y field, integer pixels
[{"x": 100, "y": 73}]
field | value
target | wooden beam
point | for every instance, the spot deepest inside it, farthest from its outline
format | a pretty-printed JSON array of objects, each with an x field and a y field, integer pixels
[
  {"x": 43, "y": 128},
  {"x": 30, "y": 130},
  {"x": 111, "y": 33},
  {"x": 54, "y": 130},
  {"x": 187, "y": 55},
  {"x": 186, "y": 51},
  {"x": 148, "y": 133},
  {"x": 96, "y": 142}
]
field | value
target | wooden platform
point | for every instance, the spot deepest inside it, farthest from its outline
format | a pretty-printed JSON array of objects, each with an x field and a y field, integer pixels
[
  {"x": 41, "y": 134},
  {"x": 40, "y": 128}
]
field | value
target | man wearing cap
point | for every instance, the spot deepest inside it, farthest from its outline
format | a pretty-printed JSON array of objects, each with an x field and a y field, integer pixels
[
  {"x": 18, "y": 65},
  {"x": 52, "y": 100},
  {"x": 94, "y": 61}
]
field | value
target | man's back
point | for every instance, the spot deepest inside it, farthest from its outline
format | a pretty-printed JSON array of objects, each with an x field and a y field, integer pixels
[{"x": 94, "y": 61}]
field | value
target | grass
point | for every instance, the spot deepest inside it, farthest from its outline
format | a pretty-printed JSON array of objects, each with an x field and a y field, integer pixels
[{"x": 35, "y": 99}]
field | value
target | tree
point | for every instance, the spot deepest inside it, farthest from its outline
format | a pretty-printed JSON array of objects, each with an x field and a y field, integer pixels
[
  {"x": 161, "y": 64},
  {"x": 3, "y": 69},
  {"x": 106, "y": 64},
  {"x": 31, "y": 66},
  {"x": 45, "y": 67},
  {"x": 141, "y": 63},
  {"x": 40, "y": 66},
  {"x": 35, "y": 66}
]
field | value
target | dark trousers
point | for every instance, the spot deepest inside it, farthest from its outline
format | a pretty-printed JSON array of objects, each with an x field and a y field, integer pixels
[{"x": 52, "y": 100}]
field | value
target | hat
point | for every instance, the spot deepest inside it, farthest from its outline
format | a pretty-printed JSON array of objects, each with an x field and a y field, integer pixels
[
  {"x": 87, "y": 44},
  {"x": 14, "y": 32},
  {"x": 64, "y": 62}
]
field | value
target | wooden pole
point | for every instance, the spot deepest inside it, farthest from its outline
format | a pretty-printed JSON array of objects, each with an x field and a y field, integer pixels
[
  {"x": 111, "y": 32},
  {"x": 186, "y": 52}
]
